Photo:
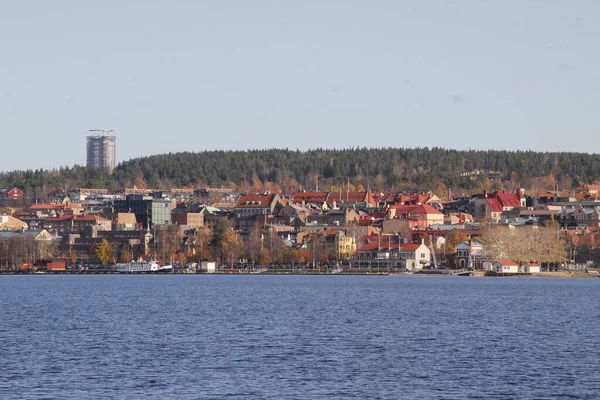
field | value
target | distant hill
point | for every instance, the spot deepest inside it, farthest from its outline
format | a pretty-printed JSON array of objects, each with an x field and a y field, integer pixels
[{"x": 376, "y": 168}]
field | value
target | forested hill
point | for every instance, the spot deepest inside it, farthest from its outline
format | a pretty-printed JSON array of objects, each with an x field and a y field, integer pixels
[{"x": 377, "y": 168}]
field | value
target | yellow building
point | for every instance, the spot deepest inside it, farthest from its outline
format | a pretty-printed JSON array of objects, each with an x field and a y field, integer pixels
[
  {"x": 8, "y": 223},
  {"x": 346, "y": 246}
]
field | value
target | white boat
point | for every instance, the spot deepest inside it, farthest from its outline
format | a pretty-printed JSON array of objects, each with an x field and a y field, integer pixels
[
  {"x": 336, "y": 270},
  {"x": 138, "y": 266}
]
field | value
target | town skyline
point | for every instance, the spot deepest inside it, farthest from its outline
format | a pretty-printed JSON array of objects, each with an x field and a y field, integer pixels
[{"x": 309, "y": 199}]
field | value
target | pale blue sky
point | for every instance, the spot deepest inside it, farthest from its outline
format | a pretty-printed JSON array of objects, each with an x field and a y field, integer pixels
[{"x": 171, "y": 76}]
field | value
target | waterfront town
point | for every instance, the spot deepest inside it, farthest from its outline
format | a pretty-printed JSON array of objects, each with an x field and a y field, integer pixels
[{"x": 218, "y": 229}]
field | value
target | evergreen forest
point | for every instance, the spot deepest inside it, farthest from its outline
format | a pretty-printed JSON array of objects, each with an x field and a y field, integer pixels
[{"x": 379, "y": 169}]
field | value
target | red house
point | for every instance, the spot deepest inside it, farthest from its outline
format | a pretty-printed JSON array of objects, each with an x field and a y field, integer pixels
[{"x": 11, "y": 194}]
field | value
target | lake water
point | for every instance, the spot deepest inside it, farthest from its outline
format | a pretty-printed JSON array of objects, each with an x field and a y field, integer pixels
[{"x": 298, "y": 337}]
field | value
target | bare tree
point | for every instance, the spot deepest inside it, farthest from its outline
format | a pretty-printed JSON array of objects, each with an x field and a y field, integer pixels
[
  {"x": 168, "y": 242},
  {"x": 254, "y": 244},
  {"x": 525, "y": 244},
  {"x": 203, "y": 238}
]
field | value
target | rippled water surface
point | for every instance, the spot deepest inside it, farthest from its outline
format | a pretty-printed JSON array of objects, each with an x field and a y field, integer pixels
[{"x": 300, "y": 337}]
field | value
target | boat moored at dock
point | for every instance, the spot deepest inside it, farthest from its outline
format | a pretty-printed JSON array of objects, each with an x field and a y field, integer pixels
[{"x": 138, "y": 266}]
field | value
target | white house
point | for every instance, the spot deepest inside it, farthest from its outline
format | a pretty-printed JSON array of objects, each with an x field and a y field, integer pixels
[
  {"x": 530, "y": 268},
  {"x": 416, "y": 256},
  {"x": 209, "y": 266},
  {"x": 506, "y": 267}
]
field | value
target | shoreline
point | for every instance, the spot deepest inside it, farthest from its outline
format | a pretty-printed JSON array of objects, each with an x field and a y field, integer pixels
[{"x": 476, "y": 274}]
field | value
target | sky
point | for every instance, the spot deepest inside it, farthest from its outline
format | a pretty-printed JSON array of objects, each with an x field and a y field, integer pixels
[{"x": 171, "y": 76}]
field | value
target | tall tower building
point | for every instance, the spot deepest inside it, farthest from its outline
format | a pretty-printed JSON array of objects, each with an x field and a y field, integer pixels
[{"x": 101, "y": 150}]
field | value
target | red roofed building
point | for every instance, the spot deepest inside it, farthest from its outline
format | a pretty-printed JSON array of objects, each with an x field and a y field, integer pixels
[
  {"x": 380, "y": 198},
  {"x": 492, "y": 207},
  {"x": 531, "y": 268},
  {"x": 428, "y": 213},
  {"x": 493, "y": 210},
  {"x": 256, "y": 204},
  {"x": 505, "y": 267},
  {"x": 592, "y": 190},
  {"x": 510, "y": 200},
  {"x": 305, "y": 198},
  {"x": 424, "y": 212},
  {"x": 415, "y": 199},
  {"x": 458, "y": 218},
  {"x": 404, "y": 199},
  {"x": 335, "y": 199}
]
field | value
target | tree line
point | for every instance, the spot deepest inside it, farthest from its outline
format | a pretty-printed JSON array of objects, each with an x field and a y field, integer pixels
[
  {"x": 220, "y": 243},
  {"x": 383, "y": 169},
  {"x": 23, "y": 249}
]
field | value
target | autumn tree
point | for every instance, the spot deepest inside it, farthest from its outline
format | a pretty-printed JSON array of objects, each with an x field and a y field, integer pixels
[
  {"x": 222, "y": 225},
  {"x": 201, "y": 242},
  {"x": 441, "y": 190},
  {"x": 486, "y": 183},
  {"x": 231, "y": 248},
  {"x": 104, "y": 252},
  {"x": 124, "y": 254},
  {"x": 452, "y": 240}
]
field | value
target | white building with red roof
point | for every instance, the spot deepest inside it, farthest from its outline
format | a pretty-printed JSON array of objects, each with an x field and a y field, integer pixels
[
  {"x": 531, "y": 268},
  {"x": 505, "y": 267}
]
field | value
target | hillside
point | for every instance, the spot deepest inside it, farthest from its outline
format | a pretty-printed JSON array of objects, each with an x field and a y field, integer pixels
[{"x": 376, "y": 168}]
